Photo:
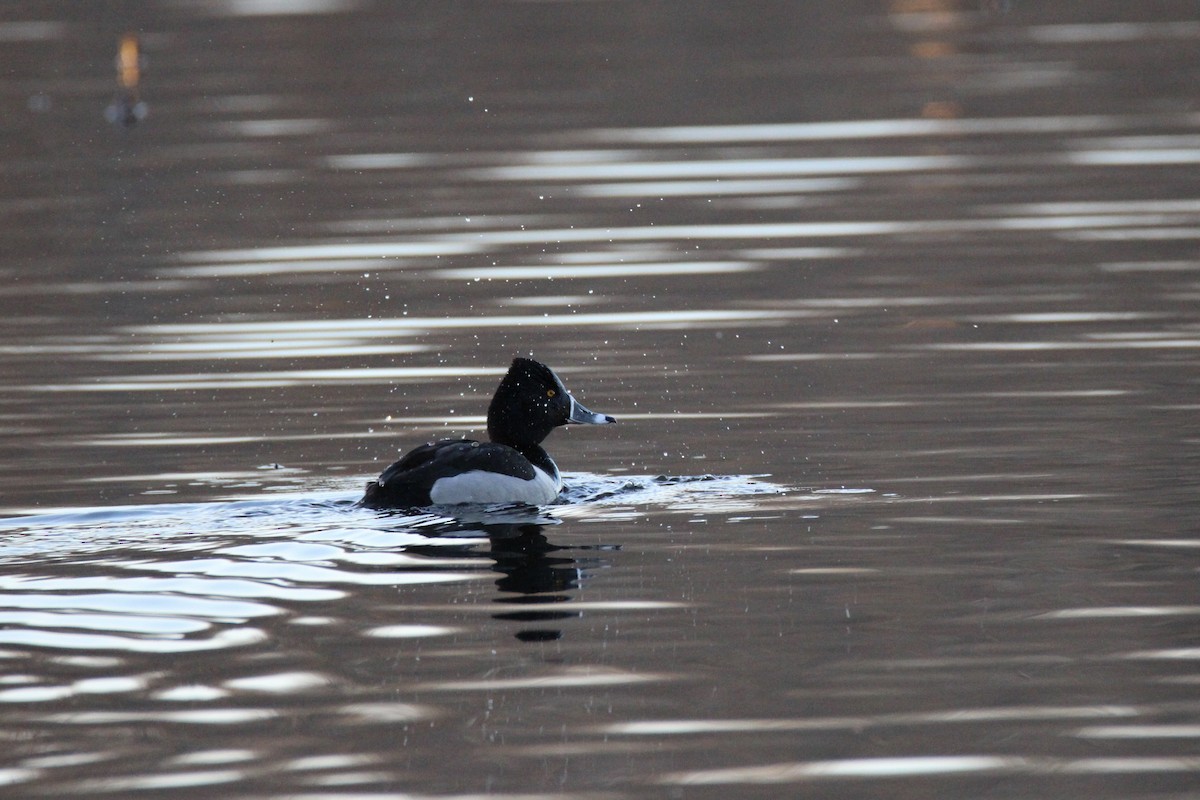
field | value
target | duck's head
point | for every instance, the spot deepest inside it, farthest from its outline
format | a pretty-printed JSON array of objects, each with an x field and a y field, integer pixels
[{"x": 532, "y": 401}]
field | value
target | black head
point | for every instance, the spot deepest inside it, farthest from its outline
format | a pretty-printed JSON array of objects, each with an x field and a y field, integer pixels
[{"x": 530, "y": 402}]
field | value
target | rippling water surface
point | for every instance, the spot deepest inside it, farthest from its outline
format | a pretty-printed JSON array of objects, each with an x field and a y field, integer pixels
[{"x": 896, "y": 304}]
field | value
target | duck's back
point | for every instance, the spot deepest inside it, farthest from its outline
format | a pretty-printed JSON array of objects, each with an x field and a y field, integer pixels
[{"x": 462, "y": 471}]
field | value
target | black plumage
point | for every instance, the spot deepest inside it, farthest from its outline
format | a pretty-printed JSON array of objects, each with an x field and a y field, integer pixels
[{"x": 530, "y": 402}]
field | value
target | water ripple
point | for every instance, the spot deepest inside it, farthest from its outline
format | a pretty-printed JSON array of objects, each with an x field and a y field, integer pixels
[
  {"x": 238, "y": 637},
  {"x": 896, "y": 767},
  {"x": 569, "y": 677},
  {"x": 222, "y": 565},
  {"x": 295, "y": 572},
  {"x": 920, "y": 766}
]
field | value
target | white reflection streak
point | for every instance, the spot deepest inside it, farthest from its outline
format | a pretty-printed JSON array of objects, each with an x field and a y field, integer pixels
[
  {"x": 150, "y": 440},
  {"x": 168, "y": 780},
  {"x": 1120, "y": 612},
  {"x": 1160, "y": 542},
  {"x": 384, "y": 328},
  {"x": 301, "y": 573},
  {"x": 330, "y": 761},
  {"x": 238, "y": 637},
  {"x": 1175, "y": 654},
  {"x": 272, "y": 128},
  {"x": 192, "y": 693},
  {"x": 210, "y": 757},
  {"x": 283, "y": 267},
  {"x": 14, "y": 775},
  {"x": 861, "y": 129},
  {"x": 992, "y": 498},
  {"x": 65, "y": 760},
  {"x": 703, "y": 188},
  {"x": 207, "y": 352},
  {"x": 231, "y": 346},
  {"x": 961, "y": 715},
  {"x": 383, "y": 249},
  {"x": 1082, "y": 221},
  {"x": 658, "y": 233},
  {"x": 1178, "y": 142},
  {"x": 569, "y": 678},
  {"x": 1108, "y": 766},
  {"x": 280, "y": 378},
  {"x": 706, "y": 726},
  {"x": 270, "y": 8},
  {"x": 364, "y": 161},
  {"x": 278, "y": 683},
  {"x": 591, "y": 271},
  {"x": 43, "y": 694},
  {"x": 1018, "y": 347},
  {"x": 1100, "y": 207},
  {"x": 481, "y": 241},
  {"x": 385, "y": 712},
  {"x": 173, "y": 586},
  {"x": 139, "y": 604},
  {"x": 416, "y": 631},
  {"x": 918, "y": 766},
  {"x": 1136, "y": 234},
  {"x": 1066, "y": 316},
  {"x": 620, "y": 605},
  {"x": 1140, "y": 732},
  {"x": 199, "y": 716},
  {"x": 149, "y": 625},
  {"x": 911, "y": 766},
  {"x": 766, "y": 167},
  {"x": 1091, "y": 33},
  {"x": 391, "y": 326},
  {"x": 241, "y": 261},
  {"x": 1123, "y": 158}
]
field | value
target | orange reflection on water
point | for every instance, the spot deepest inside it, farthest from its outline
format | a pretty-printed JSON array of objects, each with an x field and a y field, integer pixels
[{"x": 128, "y": 66}]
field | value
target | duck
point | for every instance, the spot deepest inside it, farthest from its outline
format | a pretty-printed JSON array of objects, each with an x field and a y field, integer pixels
[{"x": 510, "y": 468}]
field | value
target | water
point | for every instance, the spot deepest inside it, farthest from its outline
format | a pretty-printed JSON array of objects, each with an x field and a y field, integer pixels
[{"x": 896, "y": 305}]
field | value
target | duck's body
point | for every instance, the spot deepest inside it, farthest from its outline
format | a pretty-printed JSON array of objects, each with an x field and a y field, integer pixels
[
  {"x": 464, "y": 471},
  {"x": 511, "y": 468}
]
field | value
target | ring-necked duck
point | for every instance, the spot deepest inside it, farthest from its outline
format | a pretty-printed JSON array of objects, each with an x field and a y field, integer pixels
[{"x": 511, "y": 468}]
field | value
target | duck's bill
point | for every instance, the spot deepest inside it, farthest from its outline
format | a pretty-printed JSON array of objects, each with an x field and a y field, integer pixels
[{"x": 581, "y": 416}]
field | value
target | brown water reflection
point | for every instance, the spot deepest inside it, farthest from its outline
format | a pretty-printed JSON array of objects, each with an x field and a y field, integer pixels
[{"x": 896, "y": 303}]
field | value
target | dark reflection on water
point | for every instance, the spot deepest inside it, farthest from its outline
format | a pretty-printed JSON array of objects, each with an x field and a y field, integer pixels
[
  {"x": 538, "y": 578},
  {"x": 535, "y": 575},
  {"x": 897, "y": 300}
]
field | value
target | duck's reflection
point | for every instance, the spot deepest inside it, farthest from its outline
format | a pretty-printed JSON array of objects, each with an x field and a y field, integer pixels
[{"x": 536, "y": 576}]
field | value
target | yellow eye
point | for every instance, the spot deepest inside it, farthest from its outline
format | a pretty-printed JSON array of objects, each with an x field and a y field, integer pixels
[{"x": 550, "y": 393}]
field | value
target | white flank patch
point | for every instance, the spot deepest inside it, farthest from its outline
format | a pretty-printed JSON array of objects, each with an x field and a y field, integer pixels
[{"x": 478, "y": 486}]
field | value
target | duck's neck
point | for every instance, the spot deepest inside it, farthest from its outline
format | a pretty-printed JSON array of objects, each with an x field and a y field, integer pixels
[
  {"x": 533, "y": 451},
  {"x": 539, "y": 458}
]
